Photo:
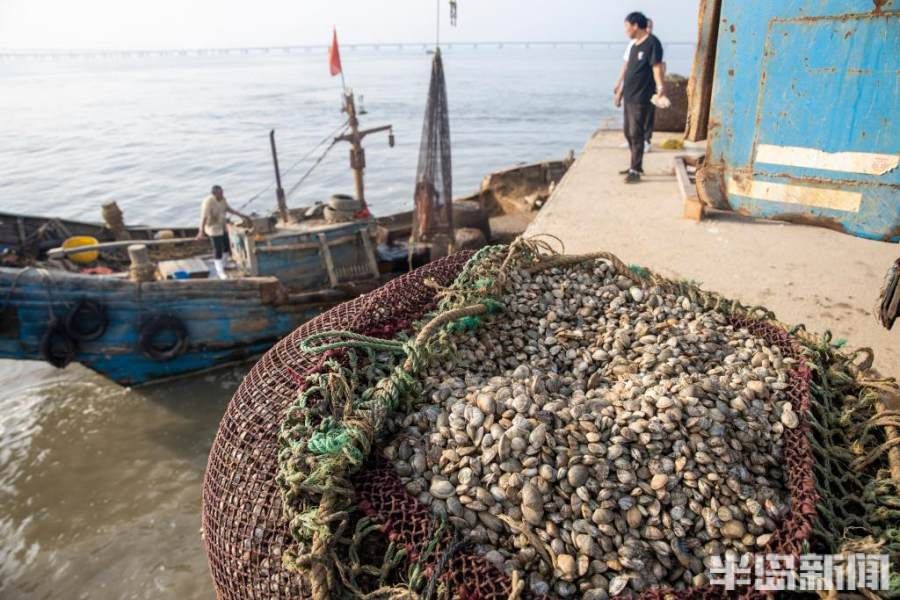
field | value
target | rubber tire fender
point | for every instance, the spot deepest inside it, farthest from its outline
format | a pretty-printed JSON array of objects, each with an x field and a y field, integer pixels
[
  {"x": 86, "y": 307},
  {"x": 56, "y": 333},
  {"x": 157, "y": 324},
  {"x": 344, "y": 203}
]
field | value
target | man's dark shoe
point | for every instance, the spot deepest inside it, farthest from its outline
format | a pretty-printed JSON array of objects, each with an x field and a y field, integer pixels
[
  {"x": 632, "y": 177},
  {"x": 627, "y": 171}
]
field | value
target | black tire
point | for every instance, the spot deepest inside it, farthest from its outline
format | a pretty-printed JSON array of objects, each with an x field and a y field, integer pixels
[
  {"x": 344, "y": 203},
  {"x": 87, "y": 321},
  {"x": 57, "y": 348},
  {"x": 148, "y": 340}
]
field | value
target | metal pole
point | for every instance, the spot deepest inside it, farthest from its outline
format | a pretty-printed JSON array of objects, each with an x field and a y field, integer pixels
[
  {"x": 279, "y": 191},
  {"x": 437, "y": 17}
]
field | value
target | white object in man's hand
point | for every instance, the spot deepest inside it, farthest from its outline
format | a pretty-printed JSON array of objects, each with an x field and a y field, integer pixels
[{"x": 660, "y": 101}]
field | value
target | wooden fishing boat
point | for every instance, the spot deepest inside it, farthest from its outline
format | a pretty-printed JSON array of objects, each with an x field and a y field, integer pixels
[
  {"x": 149, "y": 308},
  {"x": 135, "y": 332},
  {"x": 284, "y": 273},
  {"x": 26, "y": 238}
]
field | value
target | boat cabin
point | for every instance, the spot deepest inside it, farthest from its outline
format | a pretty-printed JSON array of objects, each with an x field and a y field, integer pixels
[{"x": 307, "y": 254}]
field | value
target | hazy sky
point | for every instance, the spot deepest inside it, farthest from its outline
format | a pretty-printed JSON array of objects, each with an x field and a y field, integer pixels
[{"x": 221, "y": 23}]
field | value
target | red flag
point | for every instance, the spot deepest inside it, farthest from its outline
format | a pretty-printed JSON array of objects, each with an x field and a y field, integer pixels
[{"x": 334, "y": 56}]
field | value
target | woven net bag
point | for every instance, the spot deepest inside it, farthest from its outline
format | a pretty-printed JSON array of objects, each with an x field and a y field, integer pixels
[
  {"x": 244, "y": 531},
  {"x": 840, "y": 462}
]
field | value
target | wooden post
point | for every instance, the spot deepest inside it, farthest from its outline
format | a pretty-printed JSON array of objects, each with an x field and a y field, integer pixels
[
  {"x": 370, "y": 252},
  {"x": 700, "y": 85},
  {"x": 279, "y": 191},
  {"x": 693, "y": 207},
  {"x": 115, "y": 221},
  {"x": 357, "y": 153},
  {"x": 326, "y": 256},
  {"x": 142, "y": 268}
]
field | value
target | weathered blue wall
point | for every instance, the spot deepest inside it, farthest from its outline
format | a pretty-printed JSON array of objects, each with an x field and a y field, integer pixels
[
  {"x": 227, "y": 321},
  {"x": 305, "y": 268},
  {"x": 803, "y": 120}
]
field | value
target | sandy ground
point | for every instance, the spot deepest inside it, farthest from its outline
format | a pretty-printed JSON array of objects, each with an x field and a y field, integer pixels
[{"x": 824, "y": 279}]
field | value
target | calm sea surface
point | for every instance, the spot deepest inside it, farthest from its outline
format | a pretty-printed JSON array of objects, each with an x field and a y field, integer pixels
[{"x": 100, "y": 485}]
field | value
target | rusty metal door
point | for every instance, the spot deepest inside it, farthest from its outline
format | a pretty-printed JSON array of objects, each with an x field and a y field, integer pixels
[{"x": 803, "y": 118}]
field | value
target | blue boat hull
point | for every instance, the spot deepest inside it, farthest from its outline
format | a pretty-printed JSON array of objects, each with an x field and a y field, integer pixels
[{"x": 225, "y": 321}]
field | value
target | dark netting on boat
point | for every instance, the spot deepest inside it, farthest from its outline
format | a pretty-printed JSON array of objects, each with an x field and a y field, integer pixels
[
  {"x": 275, "y": 528},
  {"x": 434, "y": 183}
]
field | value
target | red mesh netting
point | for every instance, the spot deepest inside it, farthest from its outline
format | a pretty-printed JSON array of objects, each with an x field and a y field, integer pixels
[
  {"x": 245, "y": 533},
  {"x": 243, "y": 528},
  {"x": 408, "y": 522}
]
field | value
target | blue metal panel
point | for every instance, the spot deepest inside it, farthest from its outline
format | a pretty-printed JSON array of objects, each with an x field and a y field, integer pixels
[{"x": 803, "y": 121}]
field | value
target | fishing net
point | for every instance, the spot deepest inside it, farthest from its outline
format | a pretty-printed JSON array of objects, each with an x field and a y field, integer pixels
[
  {"x": 434, "y": 183},
  {"x": 295, "y": 505}
]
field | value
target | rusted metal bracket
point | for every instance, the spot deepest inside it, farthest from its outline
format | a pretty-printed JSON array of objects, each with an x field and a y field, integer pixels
[{"x": 888, "y": 308}]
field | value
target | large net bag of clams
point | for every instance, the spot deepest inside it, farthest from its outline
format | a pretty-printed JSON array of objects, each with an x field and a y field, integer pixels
[{"x": 523, "y": 424}]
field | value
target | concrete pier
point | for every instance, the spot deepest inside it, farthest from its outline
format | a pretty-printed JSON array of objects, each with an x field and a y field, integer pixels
[{"x": 824, "y": 279}]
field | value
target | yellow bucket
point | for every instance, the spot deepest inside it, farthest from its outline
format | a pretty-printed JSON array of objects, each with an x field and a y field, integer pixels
[{"x": 82, "y": 258}]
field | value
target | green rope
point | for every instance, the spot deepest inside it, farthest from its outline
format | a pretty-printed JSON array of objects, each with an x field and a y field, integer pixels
[
  {"x": 639, "y": 271},
  {"x": 348, "y": 339},
  {"x": 465, "y": 323},
  {"x": 335, "y": 440}
]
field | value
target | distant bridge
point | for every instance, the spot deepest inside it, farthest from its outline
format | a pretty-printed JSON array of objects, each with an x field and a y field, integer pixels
[{"x": 9, "y": 54}]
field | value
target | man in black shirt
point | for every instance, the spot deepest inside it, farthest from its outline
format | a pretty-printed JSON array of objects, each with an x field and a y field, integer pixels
[{"x": 643, "y": 79}]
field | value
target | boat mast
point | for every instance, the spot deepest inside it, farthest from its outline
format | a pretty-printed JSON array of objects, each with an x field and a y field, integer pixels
[
  {"x": 279, "y": 191},
  {"x": 355, "y": 137}
]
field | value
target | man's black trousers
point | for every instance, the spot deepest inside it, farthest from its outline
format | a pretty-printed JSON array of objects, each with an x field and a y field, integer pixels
[{"x": 638, "y": 121}]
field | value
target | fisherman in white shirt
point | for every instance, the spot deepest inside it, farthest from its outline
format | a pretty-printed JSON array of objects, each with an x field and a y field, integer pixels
[{"x": 212, "y": 224}]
